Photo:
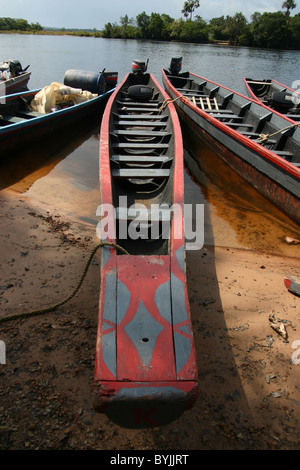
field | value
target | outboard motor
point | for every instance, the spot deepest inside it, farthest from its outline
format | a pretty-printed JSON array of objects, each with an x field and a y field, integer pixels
[
  {"x": 139, "y": 67},
  {"x": 15, "y": 67},
  {"x": 282, "y": 100},
  {"x": 175, "y": 65}
]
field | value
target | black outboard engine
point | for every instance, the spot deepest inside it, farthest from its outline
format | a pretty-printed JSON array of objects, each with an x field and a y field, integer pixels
[
  {"x": 175, "y": 65},
  {"x": 139, "y": 67},
  {"x": 282, "y": 100}
]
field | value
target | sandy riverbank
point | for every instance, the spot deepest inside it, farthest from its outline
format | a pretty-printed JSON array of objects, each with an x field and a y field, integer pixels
[{"x": 249, "y": 394}]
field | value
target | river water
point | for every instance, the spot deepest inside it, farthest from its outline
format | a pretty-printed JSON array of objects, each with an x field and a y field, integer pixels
[{"x": 235, "y": 214}]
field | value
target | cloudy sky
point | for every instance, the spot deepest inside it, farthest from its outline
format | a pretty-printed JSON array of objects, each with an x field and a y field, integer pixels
[{"x": 96, "y": 13}]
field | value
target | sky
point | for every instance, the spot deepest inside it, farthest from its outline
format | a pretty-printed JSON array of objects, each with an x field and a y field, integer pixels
[{"x": 90, "y": 14}]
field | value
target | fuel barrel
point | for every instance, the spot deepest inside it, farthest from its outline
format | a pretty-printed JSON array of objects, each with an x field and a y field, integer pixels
[{"x": 89, "y": 81}]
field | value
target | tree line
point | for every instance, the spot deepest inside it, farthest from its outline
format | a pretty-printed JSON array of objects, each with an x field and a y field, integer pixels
[
  {"x": 278, "y": 30},
  {"x": 18, "y": 24}
]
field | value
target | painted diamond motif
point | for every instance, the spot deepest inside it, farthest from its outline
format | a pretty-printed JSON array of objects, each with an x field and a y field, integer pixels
[{"x": 143, "y": 330}]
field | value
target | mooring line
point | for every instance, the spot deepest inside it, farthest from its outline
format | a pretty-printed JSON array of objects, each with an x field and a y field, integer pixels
[{"x": 64, "y": 301}]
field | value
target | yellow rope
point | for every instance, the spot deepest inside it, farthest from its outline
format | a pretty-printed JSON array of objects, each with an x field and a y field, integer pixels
[
  {"x": 168, "y": 101},
  {"x": 264, "y": 137},
  {"x": 59, "y": 304}
]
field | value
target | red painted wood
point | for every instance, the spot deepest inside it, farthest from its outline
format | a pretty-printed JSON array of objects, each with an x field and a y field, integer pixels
[
  {"x": 145, "y": 366},
  {"x": 142, "y": 275},
  {"x": 292, "y": 283}
]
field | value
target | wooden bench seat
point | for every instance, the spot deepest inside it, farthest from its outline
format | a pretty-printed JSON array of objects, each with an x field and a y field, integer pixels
[{"x": 143, "y": 173}]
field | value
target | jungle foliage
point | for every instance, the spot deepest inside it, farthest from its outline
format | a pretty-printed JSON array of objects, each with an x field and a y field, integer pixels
[
  {"x": 277, "y": 30},
  {"x": 18, "y": 24}
]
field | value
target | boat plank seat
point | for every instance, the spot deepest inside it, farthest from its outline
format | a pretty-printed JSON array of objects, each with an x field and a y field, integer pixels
[
  {"x": 140, "y": 173},
  {"x": 188, "y": 91},
  {"x": 255, "y": 137},
  {"x": 140, "y": 159},
  {"x": 237, "y": 124},
  {"x": 141, "y": 116},
  {"x": 140, "y": 123},
  {"x": 141, "y": 133},
  {"x": 181, "y": 78},
  {"x": 296, "y": 164},
  {"x": 144, "y": 215},
  {"x": 131, "y": 145},
  {"x": 131, "y": 103},
  {"x": 141, "y": 110},
  {"x": 295, "y": 117},
  {"x": 225, "y": 116},
  {"x": 28, "y": 114},
  {"x": 283, "y": 153},
  {"x": 220, "y": 111},
  {"x": 11, "y": 119}
]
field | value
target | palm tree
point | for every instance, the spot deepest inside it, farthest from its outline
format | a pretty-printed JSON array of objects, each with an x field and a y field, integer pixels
[
  {"x": 189, "y": 7},
  {"x": 289, "y": 5}
]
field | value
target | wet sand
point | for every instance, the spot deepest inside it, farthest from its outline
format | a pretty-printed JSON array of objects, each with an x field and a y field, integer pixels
[{"x": 249, "y": 386}]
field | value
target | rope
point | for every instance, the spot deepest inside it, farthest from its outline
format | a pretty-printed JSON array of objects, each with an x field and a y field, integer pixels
[
  {"x": 264, "y": 137},
  {"x": 166, "y": 102},
  {"x": 59, "y": 304}
]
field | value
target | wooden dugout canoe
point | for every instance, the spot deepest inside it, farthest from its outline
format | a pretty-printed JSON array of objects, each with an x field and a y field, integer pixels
[
  {"x": 145, "y": 368},
  {"x": 277, "y": 96},
  {"x": 22, "y": 128},
  {"x": 261, "y": 145}
]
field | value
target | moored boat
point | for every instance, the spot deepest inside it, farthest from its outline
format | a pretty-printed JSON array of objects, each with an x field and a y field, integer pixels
[
  {"x": 145, "y": 367},
  {"x": 277, "y": 96},
  {"x": 36, "y": 117},
  {"x": 13, "y": 78},
  {"x": 261, "y": 145},
  {"x": 292, "y": 283}
]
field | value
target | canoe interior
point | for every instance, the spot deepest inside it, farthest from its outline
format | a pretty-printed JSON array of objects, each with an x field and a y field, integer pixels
[
  {"x": 240, "y": 114},
  {"x": 15, "y": 108},
  {"x": 145, "y": 366},
  {"x": 142, "y": 161}
]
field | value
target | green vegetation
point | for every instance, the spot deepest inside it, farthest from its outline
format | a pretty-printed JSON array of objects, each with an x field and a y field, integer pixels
[
  {"x": 278, "y": 30},
  {"x": 18, "y": 24}
]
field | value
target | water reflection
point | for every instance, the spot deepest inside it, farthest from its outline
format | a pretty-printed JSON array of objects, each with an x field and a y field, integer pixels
[
  {"x": 239, "y": 215},
  {"x": 20, "y": 172}
]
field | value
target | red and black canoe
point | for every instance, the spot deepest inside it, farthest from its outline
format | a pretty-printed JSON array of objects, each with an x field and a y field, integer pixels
[
  {"x": 145, "y": 367},
  {"x": 257, "y": 142},
  {"x": 274, "y": 94}
]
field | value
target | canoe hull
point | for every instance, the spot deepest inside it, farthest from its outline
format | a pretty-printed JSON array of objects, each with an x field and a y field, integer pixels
[
  {"x": 279, "y": 97},
  {"x": 271, "y": 175},
  {"x": 145, "y": 365},
  {"x": 15, "y": 85},
  {"x": 45, "y": 129}
]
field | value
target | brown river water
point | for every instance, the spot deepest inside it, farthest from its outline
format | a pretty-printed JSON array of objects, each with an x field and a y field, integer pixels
[{"x": 67, "y": 178}]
